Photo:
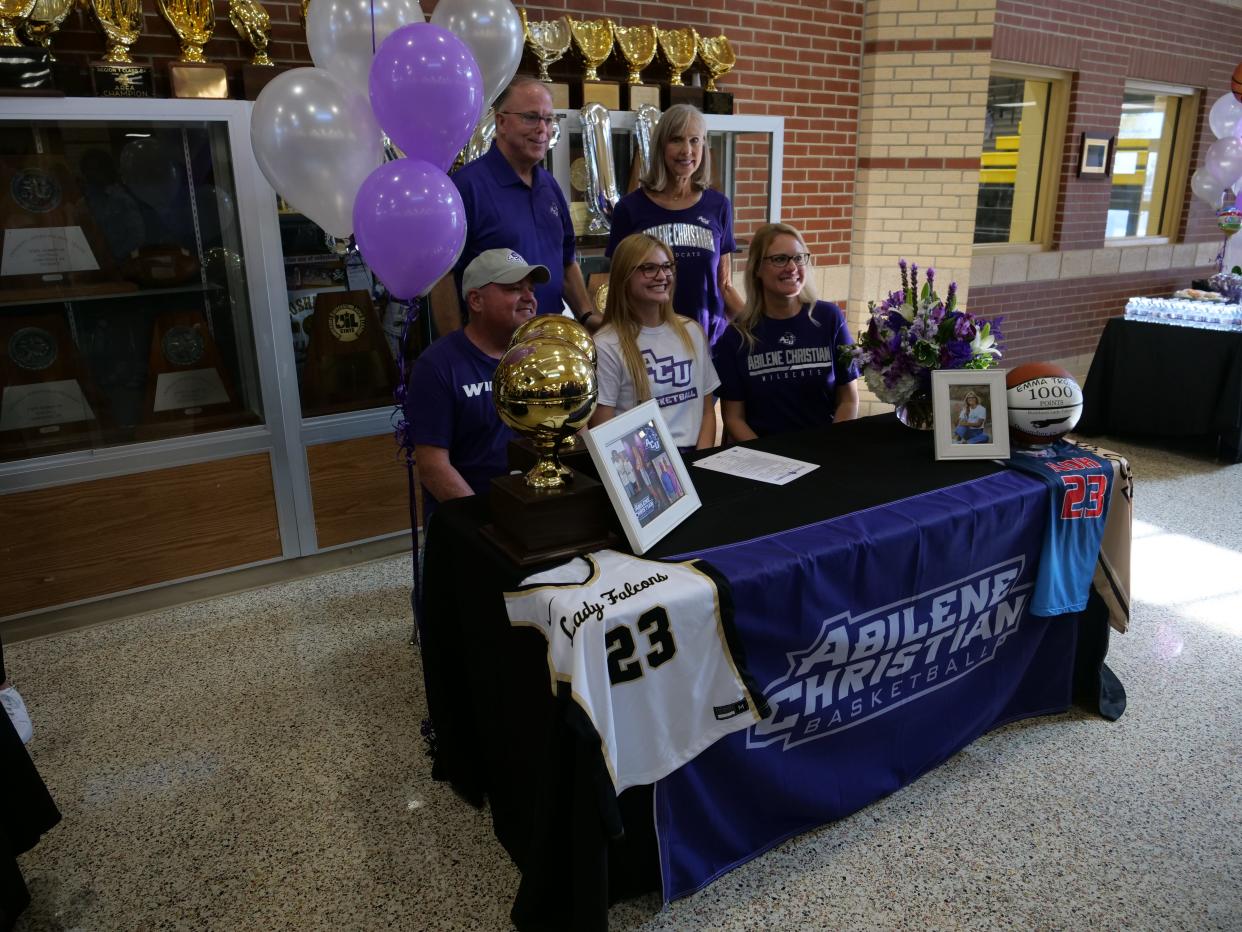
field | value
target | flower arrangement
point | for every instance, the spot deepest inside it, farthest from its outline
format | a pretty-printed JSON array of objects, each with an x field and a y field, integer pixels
[{"x": 913, "y": 332}]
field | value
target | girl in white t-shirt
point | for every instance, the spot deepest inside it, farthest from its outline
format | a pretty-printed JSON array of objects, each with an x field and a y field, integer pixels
[
  {"x": 646, "y": 350},
  {"x": 971, "y": 418}
]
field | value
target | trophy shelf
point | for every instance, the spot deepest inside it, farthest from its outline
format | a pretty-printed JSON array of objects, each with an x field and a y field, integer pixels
[{"x": 29, "y": 296}]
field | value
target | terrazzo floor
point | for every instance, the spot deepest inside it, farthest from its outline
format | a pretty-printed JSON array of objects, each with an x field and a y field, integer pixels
[{"x": 253, "y": 762}]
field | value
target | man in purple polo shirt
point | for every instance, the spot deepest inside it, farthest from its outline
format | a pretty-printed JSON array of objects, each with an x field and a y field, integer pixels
[
  {"x": 459, "y": 440},
  {"x": 512, "y": 202}
]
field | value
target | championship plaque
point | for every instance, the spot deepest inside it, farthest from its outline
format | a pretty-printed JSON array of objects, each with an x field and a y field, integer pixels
[
  {"x": 679, "y": 48},
  {"x": 717, "y": 54},
  {"x": 545, "y": 389},
  {"x": 638, "y": 48},
  {"x": 192, "y": 76},
  {"x": 593, "y": 40},
  {"x": 549, "y": 41},
  {"x": 186, "y": 381},
  {"x": 50, "y": 239},
  {"x": 117, "y": 75},
  {"x": 47, "y": 401},
  {"x": 348, "y": 363}
]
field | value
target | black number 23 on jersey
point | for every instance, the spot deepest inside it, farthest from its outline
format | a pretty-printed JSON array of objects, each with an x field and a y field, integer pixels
[{"x": 623, "y": 665}]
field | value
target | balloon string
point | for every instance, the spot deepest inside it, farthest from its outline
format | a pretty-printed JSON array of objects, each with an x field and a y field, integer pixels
[
  {"x": 403, "y": 433},
  {"x": 372, "y": 27}
]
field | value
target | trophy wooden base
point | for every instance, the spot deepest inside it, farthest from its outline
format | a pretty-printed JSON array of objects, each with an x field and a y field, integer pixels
[
  {"x": 573, "y": 454},
  {"x": 538, "y": 525},
  {"x": 25, "y": 70},
  {"x": 109, "y": 79},
  {"x": 681, "y": 94},
  {"x": 605, "y": 93},
  {"x": 635, "y": 95},
  {"x": 560, "y": 94},
  {"x": 198, "y": 80},
  {"x": 717, "y": 102},
  {"x": 348, "y": 363},
  {"x": 257, "y": 77}
]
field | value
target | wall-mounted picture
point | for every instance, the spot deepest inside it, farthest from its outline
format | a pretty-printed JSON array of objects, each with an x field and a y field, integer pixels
[
  {"x": 1094, "y": 160},
  {"x": 646, "y": 479},
  {"x": 971, "y": 414}
]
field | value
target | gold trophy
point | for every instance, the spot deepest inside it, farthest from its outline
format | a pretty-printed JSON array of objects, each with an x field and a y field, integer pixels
[
  {"x": 45, "y": 19},
  {"x": 679, "y": 47},
  {"x": 593, "y": 40},
  {"x": 191, "y": 76},
  {"x": 545, "y": 389},
  {"x": 549, "y": 40},
  {"x": 22, "y": 69},
  {"x": 253, "y": 23},
  {"x": 116, "y": 75},
  {"x": 559, "y": 327},
  {"x": 717, "y": 54},
  {"x": 638, "y": 48}
]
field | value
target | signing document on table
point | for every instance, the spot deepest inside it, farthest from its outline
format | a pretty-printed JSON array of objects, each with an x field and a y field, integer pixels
[{"x": 755, "y": 464}]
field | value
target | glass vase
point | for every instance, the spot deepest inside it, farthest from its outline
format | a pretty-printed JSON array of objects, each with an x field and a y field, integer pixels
[{"x": 917, "y": 412}]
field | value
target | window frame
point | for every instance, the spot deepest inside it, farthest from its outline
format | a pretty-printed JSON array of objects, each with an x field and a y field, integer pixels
[
  {"x": 1054, "y": 147},
  {"x": 1177, "y": 179}
]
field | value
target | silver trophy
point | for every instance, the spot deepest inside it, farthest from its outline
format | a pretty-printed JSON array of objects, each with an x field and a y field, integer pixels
[
  {"x": 601, "y": 189},
  {"x": 644, "y": 128}
]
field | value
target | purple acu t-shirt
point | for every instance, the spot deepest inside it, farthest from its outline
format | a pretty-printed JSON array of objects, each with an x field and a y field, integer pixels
[
  {"x": 698, "y": 235},
  {"x": 788, "y": 379},
  {"x": 502, "y": 212},
  {"x": 449, "y": 404}
]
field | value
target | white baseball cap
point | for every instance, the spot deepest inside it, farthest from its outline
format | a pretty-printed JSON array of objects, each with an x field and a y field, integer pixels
[{"x": 503, "y": 266}]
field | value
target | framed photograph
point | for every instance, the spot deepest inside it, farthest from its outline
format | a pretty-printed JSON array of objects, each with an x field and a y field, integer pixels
[
  {"x": 647, "y": 481},
  {"x": 971, "y": 414},
  {"x": 1094, "y": 159}
]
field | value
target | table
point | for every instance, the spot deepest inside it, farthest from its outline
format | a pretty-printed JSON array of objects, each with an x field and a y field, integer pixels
[
  {"x": 1166, "y": 381},
  {"x": 864, "y": 532}
]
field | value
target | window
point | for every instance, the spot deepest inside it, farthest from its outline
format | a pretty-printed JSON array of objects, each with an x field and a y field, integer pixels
[
  {"x": 1023, "y": 129},
  {"x": 1149, "y": 161}
]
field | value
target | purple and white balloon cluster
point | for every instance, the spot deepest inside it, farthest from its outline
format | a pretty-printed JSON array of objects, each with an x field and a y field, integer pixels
[
  {"x": 1218, "y": 183},
  {"x": 381, "y": 70}
]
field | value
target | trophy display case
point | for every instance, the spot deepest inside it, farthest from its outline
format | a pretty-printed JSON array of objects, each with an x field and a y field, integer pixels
[{"x": 124, "y": 311}]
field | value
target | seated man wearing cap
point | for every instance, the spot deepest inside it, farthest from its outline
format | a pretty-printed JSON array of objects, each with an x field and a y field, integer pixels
[{"x": 459, "y": 440}]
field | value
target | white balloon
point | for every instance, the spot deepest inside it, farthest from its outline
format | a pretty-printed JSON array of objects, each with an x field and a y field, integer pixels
[
  {"x": 1223, "y": 161},
  {"x": 316, "y": 141},
  {"x": 1225, "y": 116},
  {"x": 1206, "y": 188},
  {"x": 343, "y": 34},
  {"x": 493, "y": 31}
]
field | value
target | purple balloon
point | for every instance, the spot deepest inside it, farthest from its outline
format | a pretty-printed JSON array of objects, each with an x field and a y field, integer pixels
[
  {"x": 410, "y": 225},
  {"x": 427, "y": 92}
]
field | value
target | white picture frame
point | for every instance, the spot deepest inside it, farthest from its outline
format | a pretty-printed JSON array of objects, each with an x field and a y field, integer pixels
[
  {"x": 962, "y": 439},
  {"x": 647, "y": 482}
]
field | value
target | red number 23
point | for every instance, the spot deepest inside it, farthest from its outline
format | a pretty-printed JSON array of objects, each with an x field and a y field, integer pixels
[{"x": 1084, "y": 496}]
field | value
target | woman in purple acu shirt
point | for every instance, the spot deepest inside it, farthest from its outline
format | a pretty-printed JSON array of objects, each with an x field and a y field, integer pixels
[{"x": 675, "y": 205}]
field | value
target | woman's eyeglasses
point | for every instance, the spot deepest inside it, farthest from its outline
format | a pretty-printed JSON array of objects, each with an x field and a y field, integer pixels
[
  {"x": 529, "y": 119},
  {"x": 652, "y": 269},
  {"x": 780, "y": 260}
]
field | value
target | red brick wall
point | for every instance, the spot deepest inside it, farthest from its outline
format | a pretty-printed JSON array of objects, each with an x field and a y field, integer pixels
[
  {"x": 797, "y": 60},
  {"x": 1059, "y": 319},
  {"x": 1106, "y": 42}
]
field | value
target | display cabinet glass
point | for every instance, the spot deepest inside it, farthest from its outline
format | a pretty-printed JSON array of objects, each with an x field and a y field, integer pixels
[{"x": 124, "y": 308}]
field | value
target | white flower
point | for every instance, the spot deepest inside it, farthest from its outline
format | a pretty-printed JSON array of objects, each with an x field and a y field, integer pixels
[{"x": 984, "y": 344}]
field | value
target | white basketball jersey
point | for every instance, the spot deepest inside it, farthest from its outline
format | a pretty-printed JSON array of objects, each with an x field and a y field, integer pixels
[{"x": 647, "y": 652}]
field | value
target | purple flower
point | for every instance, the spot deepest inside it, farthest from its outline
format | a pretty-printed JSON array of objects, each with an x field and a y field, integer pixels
[
  {"x": 931, "y": 277},
  {"x": 955, "y": 354},
  {"x": 964, "y": 327}
]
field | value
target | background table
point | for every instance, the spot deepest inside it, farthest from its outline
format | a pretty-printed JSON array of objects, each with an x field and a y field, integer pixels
[
  {"x": 1160, "y": 380},
  {"x": 500, "y": 732}
]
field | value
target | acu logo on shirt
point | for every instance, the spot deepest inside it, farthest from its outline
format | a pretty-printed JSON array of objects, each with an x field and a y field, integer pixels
[{"x": 667, "y": 370}]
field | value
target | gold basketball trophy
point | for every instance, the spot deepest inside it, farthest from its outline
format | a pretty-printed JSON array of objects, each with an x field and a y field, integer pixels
[
  {"x": 116, "y": 74},
  {"x": 573, "y": 452},
  {"x": 679, "y": 48},
  {"x": 593, "y": 40},
  {"x": 638, "y": 48},
  {"x": 23, "y": 69},
  {"x": 548, "y": 41},
  {"x": 192, "y": 75},
  {"x": 717, "y": 54},
  {"x": 253, "y": 23},
  {"x": 545, "y": 389}
]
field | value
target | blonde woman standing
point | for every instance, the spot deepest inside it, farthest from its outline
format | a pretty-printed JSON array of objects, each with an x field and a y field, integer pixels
[
  {"x": 779, "y": 364},
  {"x": 646, "y": 350},
  {"x": 675, "y": 204}
]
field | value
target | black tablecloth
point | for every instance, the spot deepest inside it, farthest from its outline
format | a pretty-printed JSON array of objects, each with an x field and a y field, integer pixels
[
  {"x": 499, "y": 730},
  {"x": 1161, "y": 380}
]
